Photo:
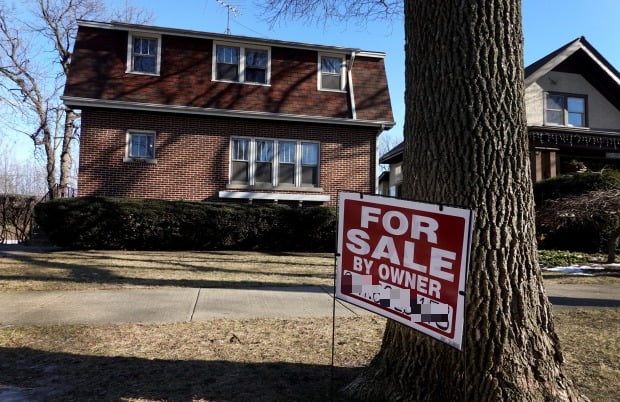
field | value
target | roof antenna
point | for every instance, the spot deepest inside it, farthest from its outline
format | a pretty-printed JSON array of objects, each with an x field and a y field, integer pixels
[{"x": 230, "y": 9}]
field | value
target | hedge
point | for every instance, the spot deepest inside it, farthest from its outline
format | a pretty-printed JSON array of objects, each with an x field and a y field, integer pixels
[
  {"x": 136, "y": 224},
  {"x": 576, "y": 183}
]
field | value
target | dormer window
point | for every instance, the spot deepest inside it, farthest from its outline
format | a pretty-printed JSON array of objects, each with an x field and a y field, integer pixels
[
  {"x": 256, "y": 66},
  {"x": 143, "y": 53},
  {"x": 565, "y": 110},
  {"x": 241, "y": 64},
  {"x": 331, "y": 73},
  {"x": 227, "y": 63}
]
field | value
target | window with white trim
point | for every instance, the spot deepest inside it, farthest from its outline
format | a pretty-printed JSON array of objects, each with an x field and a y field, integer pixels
[
  {"x": 236, "y": 63},
  {"x": 240, "y": 160},
  {"x": 331, "y": 73},
  {"x": 272, "y": 162},
  {"x": 309, "y": 163},
  {"x": 565, "y": 110},
  {"x": 140, "y": 145},
  {"x": 143, "y": 53}
]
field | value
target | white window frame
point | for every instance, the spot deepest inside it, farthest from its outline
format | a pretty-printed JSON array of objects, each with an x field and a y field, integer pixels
[
  {"x": 128, "y": 157},
  {"x": 130, "y": 38},
  {"x": 564, "y": 110},
  {"x": 343, "y": 70},
  {"x": 242, "y": 49},
  {"x": 275, "y": 163}
]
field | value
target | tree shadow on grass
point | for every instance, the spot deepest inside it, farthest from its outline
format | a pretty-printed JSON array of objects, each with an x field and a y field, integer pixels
[
  {"x": 88, "y": 273},
  {"x": 34, "y": 375}
]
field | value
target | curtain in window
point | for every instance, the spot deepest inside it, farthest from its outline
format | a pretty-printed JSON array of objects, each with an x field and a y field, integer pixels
[
  {"x": 309, "y": 164},
  {"x": 227, "y": 63},
  {"x": 286, "y": 169},
  {"x": 145, "y": 55}
]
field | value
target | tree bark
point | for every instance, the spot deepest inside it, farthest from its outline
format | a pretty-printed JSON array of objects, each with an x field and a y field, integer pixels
[
  {"x": 466, "y": 144},
  {"x": 66, "y": 161},
  {"x": 50, "y": 162}
]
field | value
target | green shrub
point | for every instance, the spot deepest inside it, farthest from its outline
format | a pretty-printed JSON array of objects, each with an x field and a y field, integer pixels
[
  {"x": 562, "y": 258},
  {"x": 136, "y": 224},
  {"x": 574, "y": 184}
]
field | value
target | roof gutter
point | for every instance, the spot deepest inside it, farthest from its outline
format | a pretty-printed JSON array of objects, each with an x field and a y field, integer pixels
[{"x": 78, "y": 102}]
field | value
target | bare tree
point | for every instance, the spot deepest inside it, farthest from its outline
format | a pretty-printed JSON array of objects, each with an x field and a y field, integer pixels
[
  {"x": 466, "y": 144},
  {"x": 317, "y": 11},
  {"x": 30, "y": 83},
  {"x": 598, "y": 209},
  {"x": 23, "y": 91}
]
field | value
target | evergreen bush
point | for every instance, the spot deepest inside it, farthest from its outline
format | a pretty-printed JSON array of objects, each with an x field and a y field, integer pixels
[{"x": 138, "y": 224}]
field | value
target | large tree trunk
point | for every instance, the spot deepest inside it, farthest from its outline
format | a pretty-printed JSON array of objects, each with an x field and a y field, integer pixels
[
  {"x": 466, "y": 144},
  {"x": 50, "y": 161},
  {"x": 66, "y": 161}
]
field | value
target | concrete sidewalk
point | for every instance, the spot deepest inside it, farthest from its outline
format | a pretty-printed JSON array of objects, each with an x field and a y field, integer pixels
[
  {"x": 167, "y": 305},
  {"x": 164, "y": 305}
]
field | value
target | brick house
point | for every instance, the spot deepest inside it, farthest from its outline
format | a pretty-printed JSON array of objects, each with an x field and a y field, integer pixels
[
  {"x": 572, "y": 103},
  {"x": 178, "y": 114}
]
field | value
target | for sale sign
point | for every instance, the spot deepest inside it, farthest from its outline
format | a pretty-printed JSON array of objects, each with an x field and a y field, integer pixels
[{"x": 406, "y": 261}]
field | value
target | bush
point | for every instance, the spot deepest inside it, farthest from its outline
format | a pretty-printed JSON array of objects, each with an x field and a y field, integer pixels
[
  {"x": 562, "y": 258},
  {"x": 574, "y": 184},
  {"x": 16, "y": 217},
  {"x": 588, "y": 222},
  {"x": 134, "y": 224}
]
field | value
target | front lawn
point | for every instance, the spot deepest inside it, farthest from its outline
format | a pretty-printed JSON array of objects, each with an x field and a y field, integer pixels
[
  {"x": 243, "y": 360},
  {"x": 91, "y": 270},
  {"x": 82, "y": 270}
]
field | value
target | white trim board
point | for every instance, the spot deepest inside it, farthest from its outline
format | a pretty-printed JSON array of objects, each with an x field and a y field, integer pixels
[{"x": 251, "y": 195}]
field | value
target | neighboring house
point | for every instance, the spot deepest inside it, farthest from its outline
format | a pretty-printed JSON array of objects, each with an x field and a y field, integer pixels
[
  {"x": 179, "y": 114},
  {"x": 390, "y": 181},
  {"x": 572, "y": 102}
]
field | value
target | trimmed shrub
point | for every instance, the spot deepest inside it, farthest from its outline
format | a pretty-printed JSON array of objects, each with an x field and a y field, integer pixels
[
  {"x": 137, "y": 224},
  {"x": 576, "y": 183}
]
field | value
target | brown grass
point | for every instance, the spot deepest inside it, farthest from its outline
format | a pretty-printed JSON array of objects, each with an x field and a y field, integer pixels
[
  {"x": 240, "y": 360},
  {"x": 87, "y": 270},
  {"x": 591, "y": 344},
  {"x": 90, "y": 270}
]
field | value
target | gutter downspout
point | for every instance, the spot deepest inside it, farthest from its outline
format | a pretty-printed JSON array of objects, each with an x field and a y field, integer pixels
[
  {"x": 351, "y": 93},
  {"x": 381, "y": 130}
]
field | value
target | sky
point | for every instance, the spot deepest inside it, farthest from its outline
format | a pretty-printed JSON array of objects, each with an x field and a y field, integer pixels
[{"x": 547, "y": 25}]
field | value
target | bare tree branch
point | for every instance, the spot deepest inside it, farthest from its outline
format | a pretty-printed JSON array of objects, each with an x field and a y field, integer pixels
[
  {"x": 321, "y": 11},
  {"x": 32, "y": 90}
]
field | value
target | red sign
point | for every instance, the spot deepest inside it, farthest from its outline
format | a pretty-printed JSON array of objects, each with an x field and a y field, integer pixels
[{"x": 406, "y": 261}]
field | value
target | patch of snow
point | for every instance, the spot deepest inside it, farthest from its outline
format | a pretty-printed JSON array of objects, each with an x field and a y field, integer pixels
[{"x": 575, "y": 269}]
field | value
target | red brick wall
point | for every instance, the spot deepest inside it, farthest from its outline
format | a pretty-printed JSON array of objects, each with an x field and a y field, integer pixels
[
  {"x": 192, "y": 154},
  {"x": 98, "y": 67}
]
